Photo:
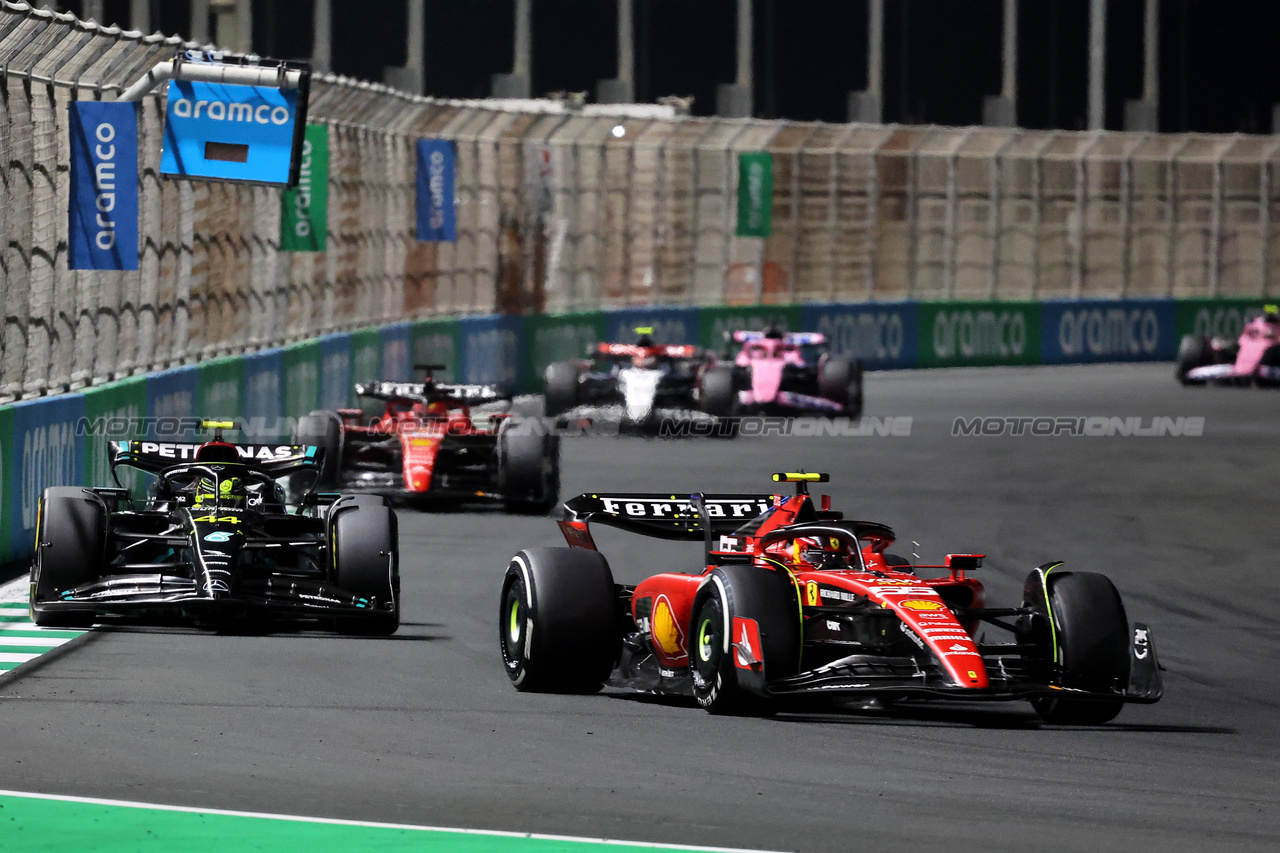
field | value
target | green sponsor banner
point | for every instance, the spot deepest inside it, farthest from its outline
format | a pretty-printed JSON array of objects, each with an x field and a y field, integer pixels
[
  {"x": 221, "y": 384},
  {"x": 301, "y": 378},
  {"x": 436, "y": 342},
  {"x": 755, "y": 194},
  {"x": 366, "y": 357},
  {"x": 110, "y": 414},
  {"x": 8, "y": 481},
  {"x": 304, "y": 211},
  {"x": 955, "y": 334},
  {"x": 557, "y": 337},
  {"x": 715, "y": 323},
  {"x": 1217, "y": 318}
]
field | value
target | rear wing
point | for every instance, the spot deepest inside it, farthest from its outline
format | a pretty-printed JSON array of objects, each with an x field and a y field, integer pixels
[
  {"x": 800, "y": 339},
  {"x": 632, "y": 350},
  {"x": 427, "y": 392},
  {"x": 155, "y": 456},
  {"x": 664, "y": 515}
]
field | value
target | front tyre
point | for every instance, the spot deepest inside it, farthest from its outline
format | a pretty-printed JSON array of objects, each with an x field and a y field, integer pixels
[
  {"x": 558, "y": 621},
  {"x": 528, "y": 468},
  {"x": 70, "y": 551},
  {"x": 364, "y": 541},
  {"x": 1091, "y": 631},
  {"x": 745, "y": 629},
  {"x": 1193, "y": 351}
]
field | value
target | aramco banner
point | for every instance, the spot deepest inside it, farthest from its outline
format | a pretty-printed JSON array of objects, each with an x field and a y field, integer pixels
[
  {"x": 755, "y": 194},
  {"x": 304, "y": 211},
  {"x": 102, "y": 231},
  {"x": 437, "y": 222},
  {"x": 227, "y": 132}
]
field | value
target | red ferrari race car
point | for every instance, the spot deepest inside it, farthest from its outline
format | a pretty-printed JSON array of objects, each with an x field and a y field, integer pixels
[
  {"x": 785, "y": 373},
  {"x": 425, "y": 448},
  {"x": 1254, "y": 357},
  {"x": 795, "y": 600}
]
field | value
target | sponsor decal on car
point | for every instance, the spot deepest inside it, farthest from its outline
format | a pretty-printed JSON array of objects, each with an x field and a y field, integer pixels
[
  {"x": 834, "y": 594},
  {"x": 218, "y": 536},
  {"x": 910, "y": 634},
  {"x": 921, "y": 604},
  {"x": 1141, "y": 643},
  {"x": 665, "y": 629}
]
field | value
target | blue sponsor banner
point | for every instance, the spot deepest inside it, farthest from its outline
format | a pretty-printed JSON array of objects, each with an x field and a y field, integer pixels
[
  {"x": 335, "y": 371},
  {"x": 264, "y": 396},
  {"x": 882, "y": 334},
  {"x": 395, "y": 352},
  {"x": 491, "y": 350},
  {"x": 46, "y": 452},
  {"x": 670, "y": 325},
  {"x": 102, "y": 228},
  {"x": 173, "y": 394},
  {"x": 228, "y": 132},
  {"x": 437, "y": 222},
  {"x": 1108, "y": 330}
]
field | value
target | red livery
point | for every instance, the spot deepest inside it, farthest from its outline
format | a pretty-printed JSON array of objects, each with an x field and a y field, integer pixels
[{"x": 794, "y": 599}]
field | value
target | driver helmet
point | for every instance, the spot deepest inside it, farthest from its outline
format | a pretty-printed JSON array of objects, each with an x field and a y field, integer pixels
[
  {"x": 1271, "y": 313},
  {"x": 819, "y": 552}
]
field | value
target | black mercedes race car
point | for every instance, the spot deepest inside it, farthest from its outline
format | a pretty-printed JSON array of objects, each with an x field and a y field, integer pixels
[{"x": 214, "y": 542}]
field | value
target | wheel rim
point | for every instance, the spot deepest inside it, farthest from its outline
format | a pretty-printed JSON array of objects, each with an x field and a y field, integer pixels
[
  {"x": 705, "y": 640},
  {"x": 514, "y": 622}
]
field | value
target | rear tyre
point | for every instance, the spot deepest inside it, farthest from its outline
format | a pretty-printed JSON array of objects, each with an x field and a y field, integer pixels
[
  {"x": 1194, "y": 351},
  {"x": 324, "y": 430},
  {"x": 70, "y": 551},
  {"x": 1092, "y": 635},
  {"x": 898, "y": 562},
  {"x": 840, "y": 380},
  {"x": 558, "y": 622},
  {"x": 716, "y": 392},
  {"x": 528, "y": 468},
  {"x": 720, "y": 685},
  {"x": 561, "y": 393},
  {"x": 364, "y": 541},
  {"x": 1268, "y": 373}
]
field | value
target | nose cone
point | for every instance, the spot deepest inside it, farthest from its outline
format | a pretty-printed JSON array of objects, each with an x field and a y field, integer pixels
[{"x": 766, "y": 379}]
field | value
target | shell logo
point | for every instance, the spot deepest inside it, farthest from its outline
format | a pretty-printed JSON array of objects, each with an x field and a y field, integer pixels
[
  {"x": 666, "y": 631},
  {"x": 922, "y": 604}
]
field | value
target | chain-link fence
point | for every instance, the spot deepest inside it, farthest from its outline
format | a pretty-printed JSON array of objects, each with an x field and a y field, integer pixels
[{"x": 561, "y": 209}]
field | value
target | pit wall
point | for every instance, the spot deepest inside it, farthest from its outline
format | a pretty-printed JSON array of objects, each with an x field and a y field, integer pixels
[{"x": 41, "y": 444}]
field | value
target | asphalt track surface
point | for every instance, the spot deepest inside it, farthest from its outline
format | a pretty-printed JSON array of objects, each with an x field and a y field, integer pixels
[{"x": 424, "y": 728}]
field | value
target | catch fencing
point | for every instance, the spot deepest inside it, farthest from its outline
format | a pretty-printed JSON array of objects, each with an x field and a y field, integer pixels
[{"x": 564, "y": 210}]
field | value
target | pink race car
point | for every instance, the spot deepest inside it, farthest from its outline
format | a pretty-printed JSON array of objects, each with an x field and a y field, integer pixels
[
  {"x": 784, "y": 373},
  {"x": 1255, "y": 357}
]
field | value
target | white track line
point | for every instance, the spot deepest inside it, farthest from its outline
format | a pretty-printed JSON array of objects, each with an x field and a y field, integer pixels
[{"x": 372, "y": 824}]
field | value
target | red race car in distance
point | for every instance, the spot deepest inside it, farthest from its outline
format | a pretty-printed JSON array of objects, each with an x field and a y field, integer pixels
[
  {"x": 425, "y": 448},
  {"x": 795, "y": 600}
]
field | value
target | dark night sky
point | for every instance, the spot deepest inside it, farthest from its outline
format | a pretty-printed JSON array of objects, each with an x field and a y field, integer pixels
[{"x": 1220, "y": 69}]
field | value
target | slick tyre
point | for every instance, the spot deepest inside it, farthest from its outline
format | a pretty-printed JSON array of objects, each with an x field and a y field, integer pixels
[
  {"x": 1193, "y": 351},
  {"x": 729, "y": 674},
  {"x": 561, "y": 389},
  {"x": 1092, "y": 635},
  {"x": 558, "y": 621},
  {"x": 70, "y": 551},
  {"x": 528, "y": 468},
  {"x": 324, "y": 430},
  {"x": 840, "y": 380},
  {"x": 1268, "y": 375},
  {"x": 364, "y": 541},
  {"x": 716, "y": 392}
]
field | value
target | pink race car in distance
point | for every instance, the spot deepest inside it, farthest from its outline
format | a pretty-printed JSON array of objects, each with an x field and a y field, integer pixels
[
  {"x": 784, "y": 373},
  {"x": 1255, "y": 357}
]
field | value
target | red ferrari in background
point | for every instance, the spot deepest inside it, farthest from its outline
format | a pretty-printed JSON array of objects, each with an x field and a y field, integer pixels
[
  {"x": 796, "y": 600},
  {"x": 425, "y": 448}
]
